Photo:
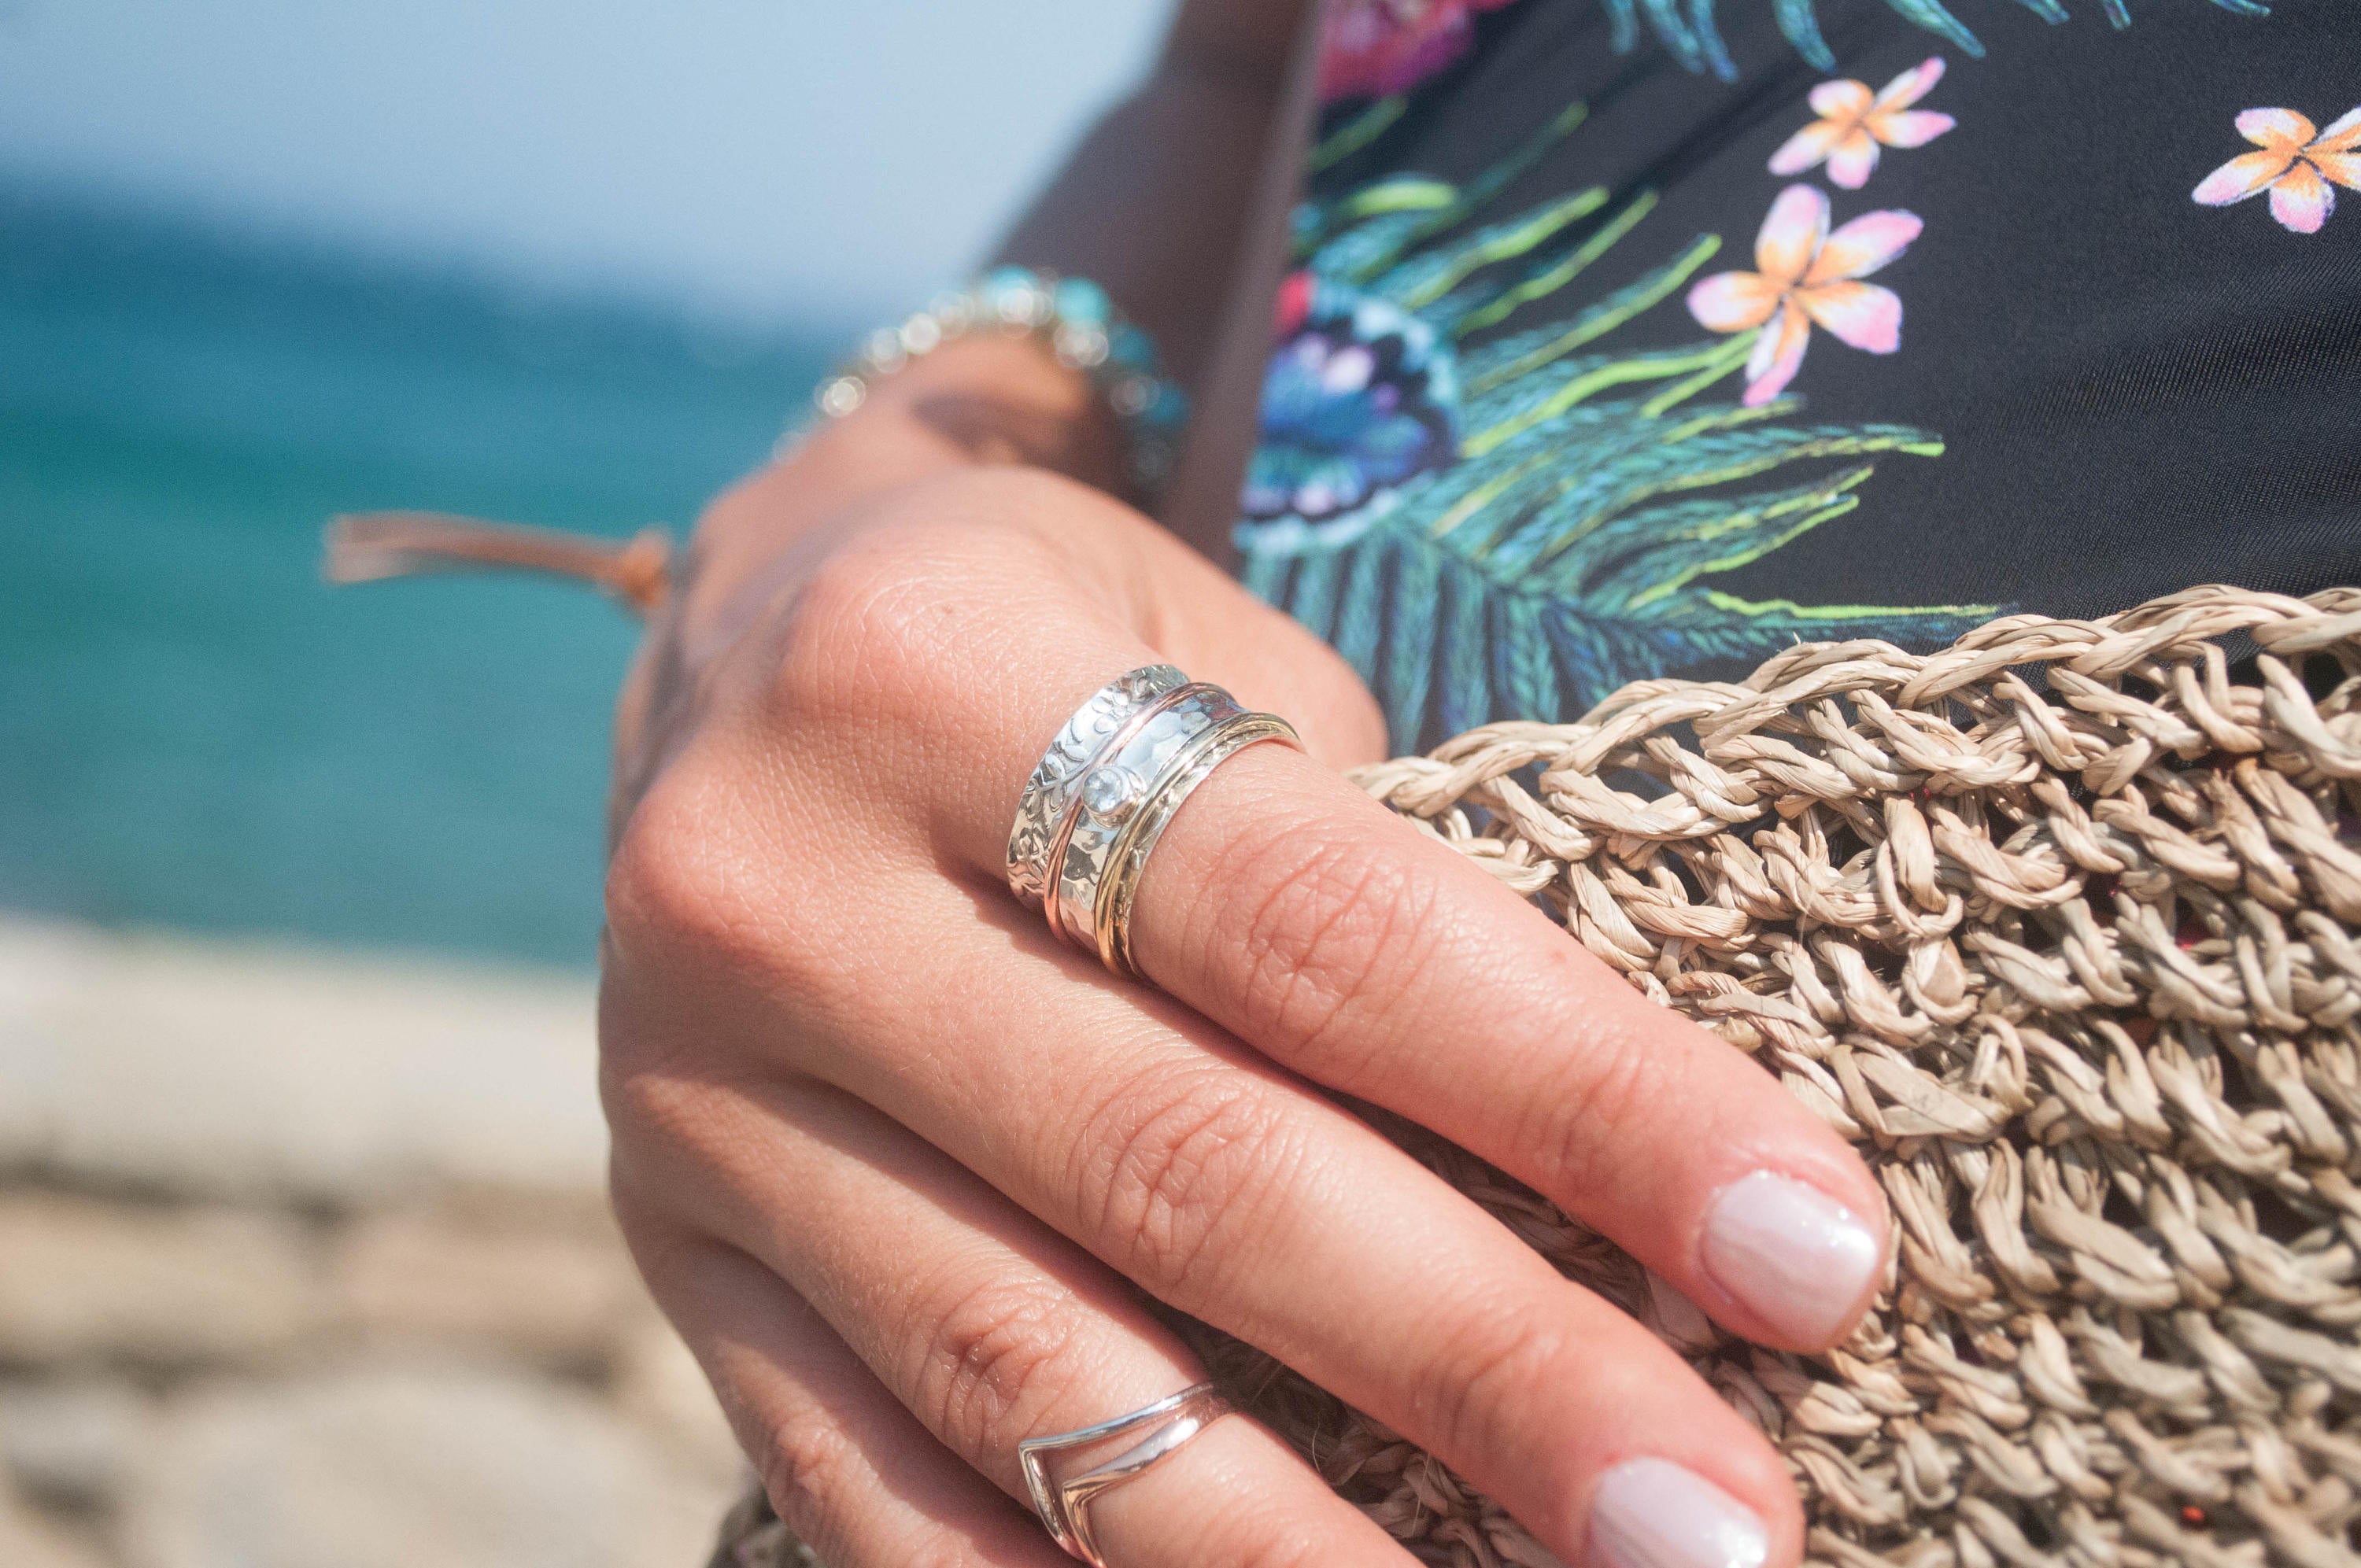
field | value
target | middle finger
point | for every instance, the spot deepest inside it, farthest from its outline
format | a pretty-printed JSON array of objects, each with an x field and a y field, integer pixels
[
  {"x": 1288, "y": 908},
  {"x": 1190, "y": 1165},
  {"x": 1291, "y": 909}
]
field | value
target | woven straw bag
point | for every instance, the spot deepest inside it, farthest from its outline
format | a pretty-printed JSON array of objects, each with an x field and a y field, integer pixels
[{"x": 2058, "y": 926}]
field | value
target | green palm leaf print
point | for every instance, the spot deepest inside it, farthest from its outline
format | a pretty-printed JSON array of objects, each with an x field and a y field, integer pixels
[
  {"x": 1696, "y": 41},
  {"x": 1576, "y": 531}
]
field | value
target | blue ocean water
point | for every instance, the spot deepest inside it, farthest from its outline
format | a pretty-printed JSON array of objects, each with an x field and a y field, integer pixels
[{"x": 193, "y": 730}]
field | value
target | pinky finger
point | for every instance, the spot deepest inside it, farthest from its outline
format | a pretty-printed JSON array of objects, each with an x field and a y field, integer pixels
[{"x": 848, "y": 1469}]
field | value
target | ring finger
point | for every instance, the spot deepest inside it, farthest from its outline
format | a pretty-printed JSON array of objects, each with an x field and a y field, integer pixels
[
  {"x": 987, "y": 1327},
  {"x": 1187, "y": 1164},
  {"x": 848, "y": 1469}
]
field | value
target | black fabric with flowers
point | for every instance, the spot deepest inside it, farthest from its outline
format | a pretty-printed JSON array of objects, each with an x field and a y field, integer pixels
[{"x": 1640, "y": 338}]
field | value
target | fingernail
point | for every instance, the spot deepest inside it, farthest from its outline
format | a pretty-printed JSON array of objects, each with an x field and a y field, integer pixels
[
  {"x": 1651, "y": 1513},
  {"x": 1799, "y": 1258}
]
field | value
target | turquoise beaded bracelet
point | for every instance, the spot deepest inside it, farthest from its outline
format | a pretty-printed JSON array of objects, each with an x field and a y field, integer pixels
[{"x": 1077, "y": 322}]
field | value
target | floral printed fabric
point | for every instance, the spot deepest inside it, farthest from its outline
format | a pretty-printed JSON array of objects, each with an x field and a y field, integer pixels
[
  {"x": 1370, "y": 48},
  {"x": 1853, "y": 125},
  {"x": 1808, "y": 275},
  {"x": 1357, "y": 398},
  {"x": 2298, "y": 166},
  {"x": 1542, "y": 415}
]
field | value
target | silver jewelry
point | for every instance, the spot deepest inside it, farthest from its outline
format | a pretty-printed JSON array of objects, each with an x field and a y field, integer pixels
[
  {"x": 1074, "y": 319},
  {"x": 1103, "y": 793},
  {"x": 1117, "y": 784},
  {"x": 1128, "y": 859},
  {"x": 1062, "y": 1480},
  {"x": 1049, "y": 793}
]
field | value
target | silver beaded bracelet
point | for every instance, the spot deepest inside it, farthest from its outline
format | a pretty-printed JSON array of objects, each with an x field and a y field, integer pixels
[{"x": 1074, "y": 318}]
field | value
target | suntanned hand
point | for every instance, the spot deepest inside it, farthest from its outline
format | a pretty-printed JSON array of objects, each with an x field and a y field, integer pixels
[{"x": 901, "y": 1165}]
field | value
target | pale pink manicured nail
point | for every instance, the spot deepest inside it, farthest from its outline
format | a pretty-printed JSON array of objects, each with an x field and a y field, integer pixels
[
  {"x": 1796, "y": 1256},
  {"x": 1651, "y": 1513}
]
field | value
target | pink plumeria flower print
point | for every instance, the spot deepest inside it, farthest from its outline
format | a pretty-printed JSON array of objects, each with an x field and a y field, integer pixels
[
  {"x": 1806, "y": 275},
  {"x": 2295, "y": 166},
  {"x": 1852, "y": 124}
]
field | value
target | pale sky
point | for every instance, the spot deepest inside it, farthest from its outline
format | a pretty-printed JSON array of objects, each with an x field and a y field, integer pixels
[{"x": 778, "y": 160}]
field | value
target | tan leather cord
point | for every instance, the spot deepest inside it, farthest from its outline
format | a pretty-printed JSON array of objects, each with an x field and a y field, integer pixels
[
  {"x": 2061, "y": 928},
  {"x": 369, "y": 546}
]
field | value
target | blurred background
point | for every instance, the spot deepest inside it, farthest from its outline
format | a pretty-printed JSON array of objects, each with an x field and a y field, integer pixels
[{"x": 302, "y": 1260}]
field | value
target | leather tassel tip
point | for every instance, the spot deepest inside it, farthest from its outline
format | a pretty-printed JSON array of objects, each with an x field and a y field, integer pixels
[{"x": 365, "y": 547}]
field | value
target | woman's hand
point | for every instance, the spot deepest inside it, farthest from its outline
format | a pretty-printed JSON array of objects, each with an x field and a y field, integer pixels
[{"x": 898, "y": 1162}]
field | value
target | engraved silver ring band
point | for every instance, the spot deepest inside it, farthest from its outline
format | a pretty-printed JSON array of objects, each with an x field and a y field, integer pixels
[
  {"x": 1050, "y": 791},
  {"x": 1063, "y": 1473},
  {"x": 1104, "y": 793},
  {"x": 1117, "y": 784}
]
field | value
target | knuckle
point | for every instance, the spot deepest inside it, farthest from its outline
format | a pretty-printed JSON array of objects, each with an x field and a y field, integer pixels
[
  {"x": 813, "y": 1473},
  {"x": 882, "y": 623},
  {"x": 817, "y": 1480},
  {"x": 671, "y": 1256},
  {"x": 648, "y": 1100},
  {"x": 696, "y": 1035},
  {"x": 674, "y": 882},
  {"x": 1188, "y": 1168},
  {"x": 998, "y": 1353},
  {"x": 1483, "y": 1380},
  {"x": 865, "y": 624},
  {"x": 1322, "y": 936},
  {"x": 1587, "y": 1109},
  {"x": 702, "y": 923}
]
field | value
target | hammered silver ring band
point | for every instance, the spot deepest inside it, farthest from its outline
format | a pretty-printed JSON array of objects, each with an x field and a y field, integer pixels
[
  {"x": 1104, "y": 793},
  {"x": 1050, "y": 791},
  {"x": 1062, "y": 1477}
]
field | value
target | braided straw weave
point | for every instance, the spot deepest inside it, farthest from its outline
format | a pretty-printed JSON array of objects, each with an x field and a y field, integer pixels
[{"x": 2058, "y": 925}]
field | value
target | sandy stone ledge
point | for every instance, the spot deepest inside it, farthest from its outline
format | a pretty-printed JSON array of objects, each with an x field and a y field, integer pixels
[{"x": 304, "y": 1260}]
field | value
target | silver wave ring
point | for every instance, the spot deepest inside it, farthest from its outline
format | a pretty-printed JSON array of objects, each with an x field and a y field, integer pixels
[{"x": 1061, "y": 1478}]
